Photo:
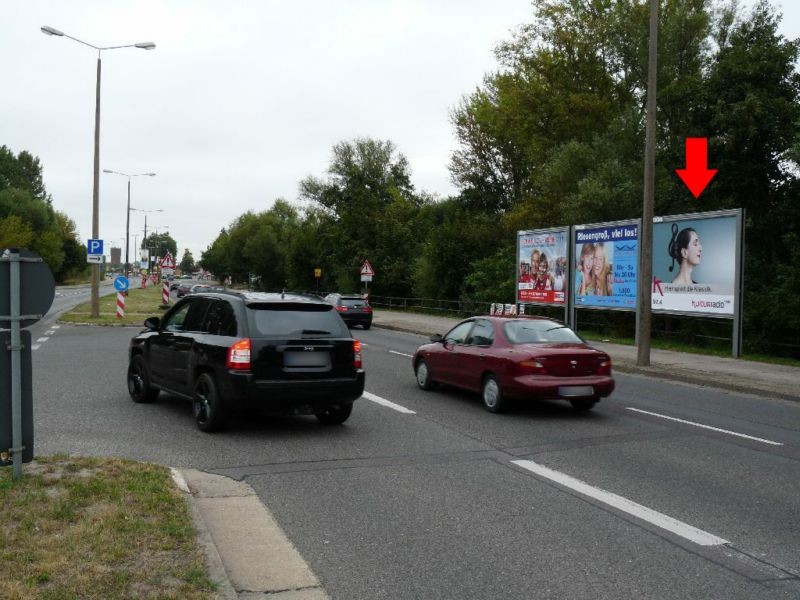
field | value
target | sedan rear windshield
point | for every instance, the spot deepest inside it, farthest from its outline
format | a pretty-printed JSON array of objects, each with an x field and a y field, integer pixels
[
  {"x": 539, "y": 332},
  {"x": 296, "y": 320}
]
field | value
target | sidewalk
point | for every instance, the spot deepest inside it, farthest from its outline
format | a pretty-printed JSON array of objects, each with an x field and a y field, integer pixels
[
  {"x": 777, "y": 381},
  {"x": 250, "y": 557}
]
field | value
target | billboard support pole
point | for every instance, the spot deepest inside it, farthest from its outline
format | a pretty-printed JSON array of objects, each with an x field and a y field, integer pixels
[
  {"x": 572, "y": 320},
  {"x": 738, "y": 313}
]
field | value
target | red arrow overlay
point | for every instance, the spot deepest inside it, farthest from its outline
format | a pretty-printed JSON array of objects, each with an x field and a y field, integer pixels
[{"x": 696, "y": 175}]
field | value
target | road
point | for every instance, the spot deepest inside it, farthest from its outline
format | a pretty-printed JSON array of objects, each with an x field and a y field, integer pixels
[{"x": 427, "y": 495}]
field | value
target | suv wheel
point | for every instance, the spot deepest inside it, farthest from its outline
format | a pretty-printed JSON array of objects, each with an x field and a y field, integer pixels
[
  {"x": 210, "y": 413},
  {"x": 335, "y": 415},
  {"x": 139, "y": 381}
]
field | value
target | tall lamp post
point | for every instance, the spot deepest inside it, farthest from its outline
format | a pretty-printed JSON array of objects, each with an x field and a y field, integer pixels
[
  {"x": 96, "y": 183},
  {"x": 128, "y": 219}
]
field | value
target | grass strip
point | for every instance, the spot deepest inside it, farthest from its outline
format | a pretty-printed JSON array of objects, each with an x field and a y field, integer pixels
[
  {"x": 139, "y": 305},
  {"x": 97, "y": 528}
]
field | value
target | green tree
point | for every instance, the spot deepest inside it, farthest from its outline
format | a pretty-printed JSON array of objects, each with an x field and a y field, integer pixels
[
  {"x": 187, "y": 262},
  {"x": 159, "y": 244}
]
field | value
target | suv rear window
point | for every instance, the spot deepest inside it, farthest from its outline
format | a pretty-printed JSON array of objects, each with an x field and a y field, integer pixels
[
  {"x": 353, "y": 302},
  {"x": 284, "y": 320}
]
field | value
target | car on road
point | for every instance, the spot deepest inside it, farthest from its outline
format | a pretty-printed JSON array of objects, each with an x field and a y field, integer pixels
[
  {"x": 353, "y": 308},
  {"x": 183, "y": 289},
  {"x": 228, "y": 351},
  {"x": 522, "y": 357}
]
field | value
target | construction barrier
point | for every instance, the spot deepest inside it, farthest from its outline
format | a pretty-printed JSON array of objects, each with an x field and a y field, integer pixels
[
  {"x": 120, "y": 305},
  {"x": 165, "y": 293}
]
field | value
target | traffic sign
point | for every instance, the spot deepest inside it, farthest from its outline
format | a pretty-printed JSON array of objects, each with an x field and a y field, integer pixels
[
  {"x": 168, "y": 262},
  {"x": 121, "y": 283},
  {"x": 94, "y": 258},
  {"x": 94, "y": 247},
  {"x": 367, "y": 270},
  {"x": 318, "y": 273},
  {"x": 37, "y": 288}
]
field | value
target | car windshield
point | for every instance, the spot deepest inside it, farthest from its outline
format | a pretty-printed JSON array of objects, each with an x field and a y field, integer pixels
[
  {"x": 284, "y": 320},
  {"x": 539, "y": 332},
  {"x": 353, "y": 302}
]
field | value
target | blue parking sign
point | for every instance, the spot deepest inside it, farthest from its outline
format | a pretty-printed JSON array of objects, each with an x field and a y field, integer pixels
[{"x": 94, "y": 247}]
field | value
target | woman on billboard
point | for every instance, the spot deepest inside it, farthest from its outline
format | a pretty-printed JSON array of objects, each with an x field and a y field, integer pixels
[
  {"x": 685, "y": 248},
  {"x": 601, "y": 271},
  {"x": 585, "y": 283}
]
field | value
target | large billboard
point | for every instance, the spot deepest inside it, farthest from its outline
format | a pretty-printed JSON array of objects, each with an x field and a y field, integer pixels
[
  {"x": 606, "y": 265},
  {"x": 542, "y": 266},
  {"x": 696, "y": 263}
]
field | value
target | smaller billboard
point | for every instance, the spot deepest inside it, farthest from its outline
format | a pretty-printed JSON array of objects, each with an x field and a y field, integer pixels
[
  {"x": 695, "y": 263},
  {"x": 542, "y": 266},
  {"x": 606, "y": 265}
]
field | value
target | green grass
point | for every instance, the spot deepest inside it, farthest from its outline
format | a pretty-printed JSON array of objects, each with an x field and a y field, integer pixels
[
  {"x": 97, "y": 528},
  {"x": 139, "y": 305}
]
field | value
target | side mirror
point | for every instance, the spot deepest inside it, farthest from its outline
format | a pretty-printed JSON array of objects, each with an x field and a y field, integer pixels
[
  {"x": 152, "y": 323},
  {"x": 436, "y": 337}
]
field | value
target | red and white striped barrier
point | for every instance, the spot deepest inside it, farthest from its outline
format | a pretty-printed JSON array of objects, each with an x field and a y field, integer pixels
[
  {"x": 165, "y": 293},
  {"x": 120, "y": 305}
]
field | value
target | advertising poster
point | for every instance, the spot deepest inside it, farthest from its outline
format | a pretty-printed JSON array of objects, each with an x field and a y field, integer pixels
[
  {"x": 606, "y": 263},
  {"x": 542, "y": 266},
  {"x": 695, "y": 263}
]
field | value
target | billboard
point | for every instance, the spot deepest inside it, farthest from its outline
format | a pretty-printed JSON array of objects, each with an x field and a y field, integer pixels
[
  {"x": 542, "y": 266},
  {"x": 696, "y": 263},
  {"x": 606, "y": 265}
]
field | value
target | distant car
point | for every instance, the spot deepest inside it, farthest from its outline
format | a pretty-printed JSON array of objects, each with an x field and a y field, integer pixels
[
  {"x": 278, "y": 353},
  {"x": 527, "y": 358},
  {"x": 174, "y": 286},
  {"x": 353, "y": 309},
  {"x": 183, "y": 289}
]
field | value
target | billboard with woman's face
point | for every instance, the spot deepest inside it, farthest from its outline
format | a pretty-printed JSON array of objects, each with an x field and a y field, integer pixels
[
  {"x": 606, "y": 265},
  {"x": 695, "y": 263},
  {"x": 542, "y": 266}
]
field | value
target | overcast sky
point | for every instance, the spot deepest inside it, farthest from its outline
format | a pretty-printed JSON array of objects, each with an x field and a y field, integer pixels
[{"x": 240, "y": 100}]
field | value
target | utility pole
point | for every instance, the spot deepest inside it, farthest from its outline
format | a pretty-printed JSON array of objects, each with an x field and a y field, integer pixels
[{"x": 644, "y": 322}]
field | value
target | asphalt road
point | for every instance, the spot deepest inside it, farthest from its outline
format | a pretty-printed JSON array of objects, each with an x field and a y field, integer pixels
[{"x": 433, "y": 497}]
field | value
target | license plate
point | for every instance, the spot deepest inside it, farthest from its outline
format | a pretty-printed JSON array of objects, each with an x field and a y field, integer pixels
[
  {"x": 576, "y": 390},
  {"x": 307, "y": 359}
]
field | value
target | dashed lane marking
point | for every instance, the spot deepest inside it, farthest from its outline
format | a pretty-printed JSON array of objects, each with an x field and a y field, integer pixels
[
  {"x": 42, "y": 339},
  {"x": 387, "y": 403},
  {"x": 684, "y": 530},
  {"x": 693, "y": 424},
  {"x": 401, "y": 353}
]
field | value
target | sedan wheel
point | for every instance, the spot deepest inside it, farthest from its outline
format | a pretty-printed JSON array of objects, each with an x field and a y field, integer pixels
[
  {"x": 492, "y": 395},
  {"x": 424, "y": 380}
]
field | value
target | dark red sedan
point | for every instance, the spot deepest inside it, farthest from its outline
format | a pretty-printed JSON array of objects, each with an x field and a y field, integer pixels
[{"x": 526, "y": 358}]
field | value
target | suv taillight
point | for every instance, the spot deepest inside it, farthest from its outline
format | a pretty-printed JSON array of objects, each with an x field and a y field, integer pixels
[
  {"x": 367, "y": 309},
  {"x": 356, "y": 354},
  {"x": 341, "y": 308},
  {"x": 239, "y": 356}
]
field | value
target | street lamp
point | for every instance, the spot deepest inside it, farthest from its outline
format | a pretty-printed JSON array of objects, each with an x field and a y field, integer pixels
[
  {"x": 128, "y": 219},
  {"x": 96, "y": 183}
]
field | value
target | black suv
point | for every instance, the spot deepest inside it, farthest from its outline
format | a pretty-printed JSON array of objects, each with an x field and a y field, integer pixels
[
  {"x": 353, "y": 308},
  {"x": 279, "y": 353}
]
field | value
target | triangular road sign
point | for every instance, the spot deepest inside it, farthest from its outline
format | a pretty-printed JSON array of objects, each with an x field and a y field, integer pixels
[
  {"x": 366, "y": 269},
  {"x": 168, "y": 262}
]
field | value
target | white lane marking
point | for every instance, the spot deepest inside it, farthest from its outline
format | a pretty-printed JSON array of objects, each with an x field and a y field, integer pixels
[
  {"x": 35, "y": 346},
  {"x": 684, "y": 530},
  {"x": 401, "y": 354},
  {"x": 387, "y": 403},
  {"x": 43, "y": 339},
  {"x": 49, "y": 332},
  {"x": 742, "y": 435},
  {"x": 56, "y": 326}
]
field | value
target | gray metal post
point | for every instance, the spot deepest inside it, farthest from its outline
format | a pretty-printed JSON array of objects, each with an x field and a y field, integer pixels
[
  {"x": 572, "y": 319},
  {"x": 16, "y": 363},
  {"x": 738, "y": 292}
]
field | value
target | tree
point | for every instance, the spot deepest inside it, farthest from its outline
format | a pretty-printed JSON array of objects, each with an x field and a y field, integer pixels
[
  {"x": 187, "y": 262},
  {"x": 160, "y": 243}
]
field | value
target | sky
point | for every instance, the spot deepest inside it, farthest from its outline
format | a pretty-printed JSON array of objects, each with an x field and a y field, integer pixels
[{"x": 239, "y": 101}]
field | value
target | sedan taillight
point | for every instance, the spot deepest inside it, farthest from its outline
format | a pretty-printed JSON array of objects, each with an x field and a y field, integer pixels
[
  {"x": 239, "y": 355},
  {"x": 604, "y": 366},
  {"x": 341, "y": 308},
  {"x": 356, "y": 354},
  {"x": 368, "y": 309},
  {"x": 532, "y": 366}
]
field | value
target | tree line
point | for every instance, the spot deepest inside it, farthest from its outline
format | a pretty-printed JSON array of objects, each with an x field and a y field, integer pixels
[{"x": 556, "y": 137}]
